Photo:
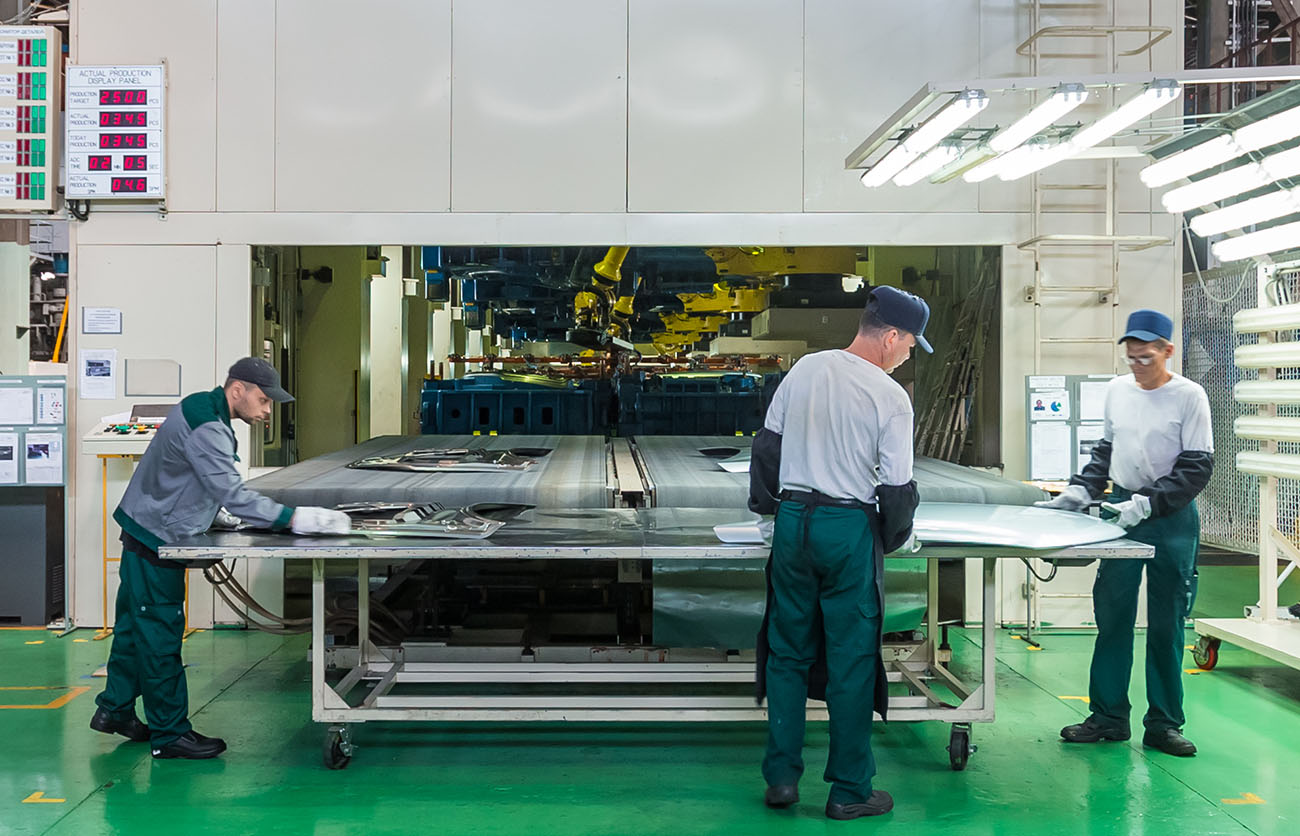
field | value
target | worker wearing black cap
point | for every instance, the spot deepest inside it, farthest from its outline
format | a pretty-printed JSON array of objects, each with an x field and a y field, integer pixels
[
  {"x": 1157, "y": 450},
  {"x": 834, "y": 463},
  {"x": 187, "y": 475}
]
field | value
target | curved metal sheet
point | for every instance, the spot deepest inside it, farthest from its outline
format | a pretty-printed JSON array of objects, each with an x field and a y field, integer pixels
[{"x": 1028, "y": 527}]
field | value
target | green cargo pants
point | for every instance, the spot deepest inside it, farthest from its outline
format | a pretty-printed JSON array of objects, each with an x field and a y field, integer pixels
[
  {"x": 822, "y": 560},
  {"x": 145, "y": 660},
  {"x": 1171, "y": 590}
]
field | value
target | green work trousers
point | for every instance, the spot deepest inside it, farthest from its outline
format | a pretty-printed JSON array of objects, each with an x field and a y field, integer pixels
[
  {"x": 824, "y": 590},
  {"x": 145, "y": 660},
  {"x": 1171, "y": 590}
]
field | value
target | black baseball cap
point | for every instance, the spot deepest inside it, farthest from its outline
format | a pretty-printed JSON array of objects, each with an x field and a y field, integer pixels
[
  {"x": 1148, "y": 326},
  {"x": 257, "y": 371},
  {"x": 902, "y": 310}
]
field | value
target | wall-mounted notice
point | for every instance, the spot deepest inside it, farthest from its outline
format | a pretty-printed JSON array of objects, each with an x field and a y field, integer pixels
[
  {"x": 1049, "y": 405},
  {"x": 97, "y": 372},
  {"x": 1050, "y": 450},
  {"x": 8, "y": 458},
  {"x": 101, "y": 320},
  {"x": 49, "y": 405},
  {"x": 44, "y": 458},
  {"x": 15, "y": 405},
  {"x": 1089, "y": 436}
]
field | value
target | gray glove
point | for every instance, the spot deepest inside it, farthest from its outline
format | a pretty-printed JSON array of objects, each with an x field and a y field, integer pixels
[
  {"x": 227, "y": 520},
  {"x": 1073, "y": 498},
  {"x": 311, "y": 520}
]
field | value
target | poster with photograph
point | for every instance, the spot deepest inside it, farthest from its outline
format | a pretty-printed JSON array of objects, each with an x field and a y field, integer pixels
[{"x": 44, "y": 458}]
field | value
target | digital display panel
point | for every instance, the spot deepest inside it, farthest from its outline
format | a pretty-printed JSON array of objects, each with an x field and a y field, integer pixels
[
  {"x": 99, "y": 162},
  {"x": 123, "y": 119},
  {"x": 135, "y": 163},
  {"x": 123, "y": 141},
  {"x": 128, "y": 184},
  {"x": 123, "y": 97}
]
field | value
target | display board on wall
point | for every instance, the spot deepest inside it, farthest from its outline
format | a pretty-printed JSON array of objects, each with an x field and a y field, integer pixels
[
  {"x": 30, "y": 98},
  {"x": 116, "y": 131},
  {"x": 33, "y": 431},
  {"x": 1066, "y": 415}
]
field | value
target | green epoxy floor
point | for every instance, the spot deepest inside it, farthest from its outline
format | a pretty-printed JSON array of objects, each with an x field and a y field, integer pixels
[{"x": 644, "y": 779}]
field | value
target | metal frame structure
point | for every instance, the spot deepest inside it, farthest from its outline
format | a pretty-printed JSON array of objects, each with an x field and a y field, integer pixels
[
  {"x": 647, "y": 534},
  {"x": 1262, "y": 630}
]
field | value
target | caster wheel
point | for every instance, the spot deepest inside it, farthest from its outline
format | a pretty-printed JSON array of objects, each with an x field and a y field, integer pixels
[
  {"x": 337, "y": 750},
  {"x": 959, "y": 748},
  {"x": 1206, "y": 653}
]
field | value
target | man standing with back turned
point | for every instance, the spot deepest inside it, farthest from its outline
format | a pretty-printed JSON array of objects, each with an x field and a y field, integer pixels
[
  {"x": 1157, "y": 450},
  {"x": 834, "y": 462},
  {"x": 187, "y": 474}
]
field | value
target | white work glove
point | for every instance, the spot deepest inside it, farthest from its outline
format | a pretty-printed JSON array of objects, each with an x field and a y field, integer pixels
[
  {"x": 1073, "y": 498},
  {"x": 1131, "y": 512},
  {"x": 310, "y": 520},
  {"x": 225, "y": 519},
  {"x": 911, "y": 546}
]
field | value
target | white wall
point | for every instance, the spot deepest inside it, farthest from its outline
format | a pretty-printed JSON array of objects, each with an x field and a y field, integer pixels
[{"x": 672, "y": 122}]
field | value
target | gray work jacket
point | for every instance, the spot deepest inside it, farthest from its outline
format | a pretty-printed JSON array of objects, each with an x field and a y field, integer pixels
[{"x": 187, "y": 473}]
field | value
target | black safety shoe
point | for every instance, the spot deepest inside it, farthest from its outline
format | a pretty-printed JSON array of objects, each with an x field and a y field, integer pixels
[
  {"x": 129, "y": 727},
  {"x": 878, "y": 804},
  {"x": 191, "y": 746},
  {"x": 1294, "y": 609},
  {"x": 781, "y": 795},
  {"x": 1169, "y": 741},
  {"x": 1093, "y": 731}
]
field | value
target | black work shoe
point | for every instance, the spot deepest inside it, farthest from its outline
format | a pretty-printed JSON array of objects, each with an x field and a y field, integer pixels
[
  {"x": 1294, "y": 609},
  {"x": 1093, "y": 731},
  {"x": 781, "y": 795},
  {"x": 131, "y": 728},
  {"x": 1169, "y": 741},
  {"x": 191, "y": 746},
  {"x": 878, "y": 804}
]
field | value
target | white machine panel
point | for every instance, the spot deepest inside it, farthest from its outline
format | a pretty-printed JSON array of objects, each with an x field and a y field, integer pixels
[
  {"x": 115, "y": 133},
  {"x": 29, "y": 103}
]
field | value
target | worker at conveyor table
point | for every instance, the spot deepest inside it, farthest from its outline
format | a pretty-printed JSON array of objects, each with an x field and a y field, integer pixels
[
  {"x": 185, "y": 477},
  {"x": 1158, "y": 451},
  {"x": 834, "y": 462}
]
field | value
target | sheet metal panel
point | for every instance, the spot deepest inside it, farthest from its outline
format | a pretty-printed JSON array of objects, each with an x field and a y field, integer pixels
[{"x": 574, "y": 475}]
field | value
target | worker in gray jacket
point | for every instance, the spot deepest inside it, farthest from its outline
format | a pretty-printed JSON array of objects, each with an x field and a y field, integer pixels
[{"x": 185, "y": 477}]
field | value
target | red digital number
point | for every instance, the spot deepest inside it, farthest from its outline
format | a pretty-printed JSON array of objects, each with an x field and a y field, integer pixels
[
  {"x": 134, "y": 163},
  {"x": 122, "y": 141},
  {"x": 122, "y": 118},
  {"x": 123, "y": 97},
  {"x": 128, "y": 184},
  {"x": 101, "y": 162}
]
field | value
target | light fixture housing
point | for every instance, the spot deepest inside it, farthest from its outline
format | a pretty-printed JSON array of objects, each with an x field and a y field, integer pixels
[
  {"x": 1265, "y": 392},
  {"x": 931, "y": 161},
  {"x": 1267, "y": 356},
  {"x": 1271, "y": 130},
  {"x": 1267, "y": 428},
  {"x": 1234, "y": 181},
  {"x": 1271, "y": 240},
  {"x": 1063, "y": 100},
  {"x": 964, "y": 107},
  {"x": 1267, "y": 207},
  {"x": 1277, "y": 465},
  {"x": 1156, "y": 95},
  {"x": 1263, "y": 320}
]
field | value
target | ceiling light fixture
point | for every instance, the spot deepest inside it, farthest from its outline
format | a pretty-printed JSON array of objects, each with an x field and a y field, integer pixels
[
  {"x": 1271, "y": 240},
  {"x": 963, "y": 108},
  {"x": 1234, "y": 181},
  {"x": 1272, "y": 130},
  {"x": 930, "y": 162},
  {"x": 1066, "y": 98},
  {"x": 1247, "y": 213}
]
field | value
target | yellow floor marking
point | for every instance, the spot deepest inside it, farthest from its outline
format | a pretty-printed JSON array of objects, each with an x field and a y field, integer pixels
[
  {"x": 39, "y": 798},
  {"x": 1189, "y": 647},
  {"x": 1080, "y": 699},
  {"x": 1246, "y": 798},
  {"x": 41, "y": 641},
  {"x": 72, "y": 694},
  {"x": 1194, "y": 671},
  {"x": 1031, "y": 647},
  {"x": 80, "y": 641},
  {"x": 29, "y": 629}
]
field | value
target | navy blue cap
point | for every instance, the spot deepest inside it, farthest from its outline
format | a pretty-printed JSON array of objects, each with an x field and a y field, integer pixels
[
  {"x": 1148, "y": 326},
  {"x": 258, "y": 371},
  {"x": 904, "y": 311}
]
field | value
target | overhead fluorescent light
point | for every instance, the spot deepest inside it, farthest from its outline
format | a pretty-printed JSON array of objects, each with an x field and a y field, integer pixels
[
  {"x": 963, "y": 108},
  {"x": 1279, "y": 465},
  {"x": 973, "y": 156},
  {"x": 930, "y": 162},
  {"x": 1066, "y": 98},
  {"x": 1156, "y": 95},
  {"x": 1262, "y": 320},
  {"x": 1267, "y": 356},
  {"x": 1272, "y": 130},
  {"x": 1267, "y": 428},
  {"x": 1234, "y": 181},
  {"x": 1265, "y": 392},
  {"x": 1031, "y": 157},
  {"x": 1271, "y": 240},
  {"x": 1247, "y": 213}
]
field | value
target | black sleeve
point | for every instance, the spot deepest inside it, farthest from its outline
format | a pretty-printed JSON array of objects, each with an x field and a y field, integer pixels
[
  {"x": 1176, "y": 491},
  {"x": 1096, "y": 473},
  {"x": 897, "y": 505},
  {"x": 765, "y": 472}
]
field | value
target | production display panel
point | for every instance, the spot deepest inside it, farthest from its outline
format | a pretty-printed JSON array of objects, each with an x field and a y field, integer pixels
[{"x": 116, "y": 132}]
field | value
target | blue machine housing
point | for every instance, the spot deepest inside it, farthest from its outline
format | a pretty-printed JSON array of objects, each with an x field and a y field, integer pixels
[{"x": 488, "y": 403}]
